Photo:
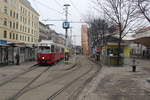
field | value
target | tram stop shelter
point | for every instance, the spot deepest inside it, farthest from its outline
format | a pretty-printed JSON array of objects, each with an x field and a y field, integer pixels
[{"x": 110, "y": 54}]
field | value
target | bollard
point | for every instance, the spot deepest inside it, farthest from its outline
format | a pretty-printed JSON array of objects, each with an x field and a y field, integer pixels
[{"x": 134, "y": 68}]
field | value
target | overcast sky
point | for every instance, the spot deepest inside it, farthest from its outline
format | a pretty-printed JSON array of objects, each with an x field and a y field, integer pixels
[{"x": 53, "y": 10}]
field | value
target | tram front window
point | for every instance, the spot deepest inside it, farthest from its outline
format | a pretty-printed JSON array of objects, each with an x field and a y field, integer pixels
[{"x": 44, "y": 50}]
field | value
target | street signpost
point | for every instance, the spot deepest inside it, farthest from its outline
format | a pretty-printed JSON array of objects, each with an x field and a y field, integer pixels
[{"x": 66, "y": 25}]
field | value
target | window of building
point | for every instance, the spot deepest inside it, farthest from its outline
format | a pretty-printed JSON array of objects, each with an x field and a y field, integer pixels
[
  {"x": 10, "y": 35},
  {"x": 28, "y": 14},
  {"x": 14, "y": 25},
  {"x": 20, "y": 27},
  {"x": 16, "y": 36},
  {"x": 20, "y": 37},
  {"x": 25, "y": 29},
  {"x": 32, "y": 31},
  {"x": 14, "y": 15},
  {"x": 28, "y": 39},
  {"x": 11, "y": 13},
  {"x": 10, "y": 24},
  {"x": 13, "y": 36},
  {"x": 25, "y": 20},
  {"x": 32, "y": 39},
  {"x": 28, "y": 21},
  {"x": 17, "y": 16},
  {"x": 21, "y": 9},
  {"x": 28, "y": 30},
  {"x": 25, "y": 38},
  {"x": 5, "y": 10},
  {"x": 5, "y": 21},
  {"x": 21, "y": 18},
  {"x": 17, "y": 25},
  {"x": 5, "y": 34}
]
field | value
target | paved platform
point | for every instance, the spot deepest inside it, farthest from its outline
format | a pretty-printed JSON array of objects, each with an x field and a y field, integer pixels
[{"x": 120, "y": 83}]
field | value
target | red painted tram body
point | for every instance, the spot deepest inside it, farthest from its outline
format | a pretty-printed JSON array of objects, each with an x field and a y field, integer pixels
[{"x": 49, "y": 52}]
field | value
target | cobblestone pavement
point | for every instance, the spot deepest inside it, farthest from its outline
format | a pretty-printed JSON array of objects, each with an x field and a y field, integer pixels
[{"x": 120, "y": 83}]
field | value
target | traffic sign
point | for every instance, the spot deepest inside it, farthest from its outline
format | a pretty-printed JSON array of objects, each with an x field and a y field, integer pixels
[{"x": 66, "y": 25}]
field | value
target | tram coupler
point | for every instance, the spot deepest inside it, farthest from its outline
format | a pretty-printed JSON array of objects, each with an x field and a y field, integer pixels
[{"x": 134, "y": 68}]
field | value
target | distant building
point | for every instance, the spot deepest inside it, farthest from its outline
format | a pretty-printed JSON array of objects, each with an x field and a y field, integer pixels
[
  {"x": 84, "y": 39},
  {"x": 44, "y": 32},
  {"x": 19, "y": 22},
  {"x": 61, "y": 39}
]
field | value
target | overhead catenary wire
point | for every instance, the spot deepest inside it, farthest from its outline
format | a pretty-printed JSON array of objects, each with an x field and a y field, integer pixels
[
  {"x": 77, "y": 10},
  {"x": 57, "y": 3},
  {"x": 52, "y": 9}
]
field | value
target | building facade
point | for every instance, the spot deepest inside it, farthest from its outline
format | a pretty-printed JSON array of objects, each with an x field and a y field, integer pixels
[
  {"x": 19, "y": 22},
  {"x": 142, "y": 36},
  {"x": 19, "y": 29},
  {"x": 45, "y": 32},
  {"x": 84, "y": 39}
]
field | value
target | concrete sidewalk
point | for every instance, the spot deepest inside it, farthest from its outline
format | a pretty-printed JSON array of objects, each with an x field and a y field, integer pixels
[{"x": 120, "y": 83}]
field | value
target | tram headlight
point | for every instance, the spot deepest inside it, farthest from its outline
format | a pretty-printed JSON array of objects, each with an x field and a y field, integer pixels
[{"x": 43, "y": 57}]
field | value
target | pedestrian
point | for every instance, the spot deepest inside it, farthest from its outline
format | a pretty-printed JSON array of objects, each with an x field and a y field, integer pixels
[{"x": 17, "y": 59}]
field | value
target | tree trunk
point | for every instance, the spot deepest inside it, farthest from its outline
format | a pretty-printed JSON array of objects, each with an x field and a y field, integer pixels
[
  {"x": 119, "y": 51},
  {"x": 119, "y": 45}
]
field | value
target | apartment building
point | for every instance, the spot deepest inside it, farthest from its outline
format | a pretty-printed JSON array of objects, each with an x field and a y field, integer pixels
[
  {"x": 19, "y": 22},
  {"x": 84, "y": 39},
  {"x": 44, "y": 32}
]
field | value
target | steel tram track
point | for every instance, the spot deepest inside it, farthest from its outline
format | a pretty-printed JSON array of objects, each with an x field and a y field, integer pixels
[
  {"x": 57, "y": 93},
  {"x": 47, "y": 82},
  {"x": 23, "y": 90},
  {"x": 18, "y": 75},
  {"x": 79, "y": 90},
  {"x": 14, "y": 97}
]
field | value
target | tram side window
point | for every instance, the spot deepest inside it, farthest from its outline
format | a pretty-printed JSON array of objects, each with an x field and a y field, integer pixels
[
  {"x": 62, "y": 49},
  {"x": 57, "y": 49},
  {"x": 52, "y": 48}
]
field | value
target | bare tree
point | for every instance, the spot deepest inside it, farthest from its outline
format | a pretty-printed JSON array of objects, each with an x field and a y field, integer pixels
[
  {"x": 143, "y": 8},
  {"x": 120, "y": 12}
]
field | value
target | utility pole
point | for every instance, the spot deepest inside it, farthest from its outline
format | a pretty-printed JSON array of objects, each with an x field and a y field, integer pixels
[
  {"x": 71, "y": 34},
  {"x": 66, "y": 20},
  {"x": 66, "y": 26}
]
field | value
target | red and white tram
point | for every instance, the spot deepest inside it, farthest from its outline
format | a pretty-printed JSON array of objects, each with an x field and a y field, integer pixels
[{"x": 49, "y": 52}]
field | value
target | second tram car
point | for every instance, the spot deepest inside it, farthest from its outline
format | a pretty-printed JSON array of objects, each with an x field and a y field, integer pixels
[{"x": 49, "y": 52}]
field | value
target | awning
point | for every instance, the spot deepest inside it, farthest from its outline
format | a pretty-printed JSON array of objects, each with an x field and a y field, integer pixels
[
  {"x": 16, "y": 44},
  {"x": 144, "y": 41}
]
